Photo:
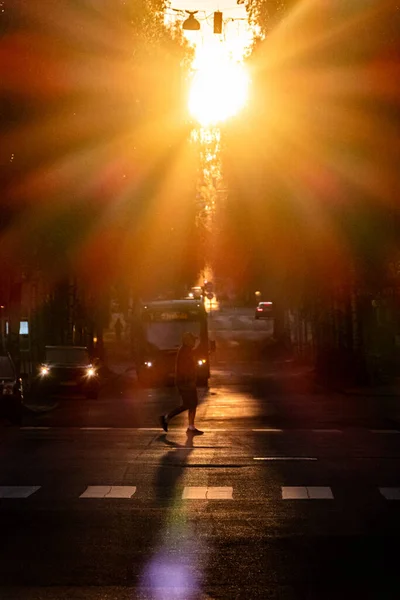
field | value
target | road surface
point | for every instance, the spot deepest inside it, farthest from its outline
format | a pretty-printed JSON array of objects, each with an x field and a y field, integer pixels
[{"x": 292, "y": 493}]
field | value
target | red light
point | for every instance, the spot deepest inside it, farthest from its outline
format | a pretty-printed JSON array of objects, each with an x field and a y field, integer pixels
[{"x": 259, "y": 309}]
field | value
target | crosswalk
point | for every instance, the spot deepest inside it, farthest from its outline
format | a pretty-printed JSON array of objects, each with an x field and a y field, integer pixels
[{"x": 207, "y": 493}]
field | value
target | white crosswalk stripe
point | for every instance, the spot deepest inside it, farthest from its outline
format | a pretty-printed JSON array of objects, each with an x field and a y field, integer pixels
[
  {"x": 190, "y": 492},
  {"x": 306, "y": 493},
  {"x": 18, "y": 491},
  {"x": 207, "y": 493},
  {"x": 390, "y": 493},
  {"x": 109, "y": 491}
]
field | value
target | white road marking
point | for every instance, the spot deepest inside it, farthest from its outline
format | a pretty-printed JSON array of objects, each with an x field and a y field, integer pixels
[
  {"x": 306, "y": 493},
  {"x": 194, "y": 493},
  {"x": 233, "y": 430},
  {"x": 269, "y": 430},
  {"x": 34, "y": 428},
  {"x": 18, "y": 491},
  {"x": 294, "y": 493},
  {"x": 95, "y": 428},
  {"x": 219, "y": 493},
  {"x": 207, "y": 493},
  {"x": 141, "y": 428},
  {"x": 109, "y": 491},
  {"x": 319, "y": 493},
  {"x": 390, "y": 493},
  {"x": 284, "y": 458}
]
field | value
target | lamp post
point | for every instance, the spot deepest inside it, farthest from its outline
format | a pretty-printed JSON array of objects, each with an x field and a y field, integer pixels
[{"x": 3, "y": 342}]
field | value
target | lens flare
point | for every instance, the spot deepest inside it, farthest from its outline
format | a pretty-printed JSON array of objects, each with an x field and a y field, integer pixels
[{"x": 219, "y": 90}]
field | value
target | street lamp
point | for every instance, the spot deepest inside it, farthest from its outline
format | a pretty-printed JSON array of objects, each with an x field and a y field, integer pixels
[{"x": 191, "y": 24}]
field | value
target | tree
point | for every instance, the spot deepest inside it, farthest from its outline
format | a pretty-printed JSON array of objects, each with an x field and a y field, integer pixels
[
  {"x": 99, "y": 127},
  {"x": 312, "y": 165}
]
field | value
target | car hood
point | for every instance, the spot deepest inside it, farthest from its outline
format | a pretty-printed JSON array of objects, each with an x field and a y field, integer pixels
[{"x": 66, "y": 366}]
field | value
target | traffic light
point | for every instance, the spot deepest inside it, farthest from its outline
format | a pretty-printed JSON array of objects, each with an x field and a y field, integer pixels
[{"x": 218, "y": 22}]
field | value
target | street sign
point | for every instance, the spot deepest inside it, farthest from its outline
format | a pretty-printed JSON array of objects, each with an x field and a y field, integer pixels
[
  {"x": 208, "y": 286},
  {"x": 210, "y": 295}
]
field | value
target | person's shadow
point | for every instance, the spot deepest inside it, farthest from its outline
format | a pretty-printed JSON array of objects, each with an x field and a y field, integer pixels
[
  {"x": 172, "y": 568},
  {"x": 171, "y": 467}
]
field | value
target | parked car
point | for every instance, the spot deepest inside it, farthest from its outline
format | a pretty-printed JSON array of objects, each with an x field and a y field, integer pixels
[
  {"x": 11, "y": 391},
  {"x": 264, "y": 310},
  {"x": 68, "y": 369}
]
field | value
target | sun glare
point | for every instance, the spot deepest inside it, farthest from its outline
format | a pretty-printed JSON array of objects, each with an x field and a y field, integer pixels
[{"x": 219, "y": 90}]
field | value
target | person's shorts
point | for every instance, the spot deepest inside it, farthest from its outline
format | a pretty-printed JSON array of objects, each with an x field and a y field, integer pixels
[{"x": 189, "y": 398}]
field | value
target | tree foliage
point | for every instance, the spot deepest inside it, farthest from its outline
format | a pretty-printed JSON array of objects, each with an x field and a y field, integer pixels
[
  {"x": 98, "y": 94},
  {"x": 312, "y": 165}
]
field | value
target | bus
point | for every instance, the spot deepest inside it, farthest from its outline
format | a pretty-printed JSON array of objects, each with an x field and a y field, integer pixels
[{"x": 161, "y": 325}]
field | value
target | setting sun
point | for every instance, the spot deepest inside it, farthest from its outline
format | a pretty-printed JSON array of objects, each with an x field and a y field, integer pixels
[{"x": 219, "y": 90}]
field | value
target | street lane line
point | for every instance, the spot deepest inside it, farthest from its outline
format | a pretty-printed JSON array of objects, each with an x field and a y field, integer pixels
[
  {"x": 141, "y": 428},
  {"x": 18, "y": 491},
  {"x": 284, "y": 458},
  {"x": 306, "y": 493},
  {"x": 390, "y": 493},
  {"x": 34, "y": 428},
  {"x": 207, "y": 493},
  {"x": 327, "y": 431},
  {"x": 269, "y": 430},
  {"x": 109, "y": 491},
  {"x": 95, "y": 428}
]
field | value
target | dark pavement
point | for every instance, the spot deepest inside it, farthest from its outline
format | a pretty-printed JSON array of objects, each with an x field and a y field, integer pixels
[{"x": 286, "y": 496}]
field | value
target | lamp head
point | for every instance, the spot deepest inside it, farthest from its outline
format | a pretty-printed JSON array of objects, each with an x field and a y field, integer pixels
[{"x": 191, "y": 24}]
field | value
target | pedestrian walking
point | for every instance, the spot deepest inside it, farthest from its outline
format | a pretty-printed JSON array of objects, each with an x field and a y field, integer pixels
[{"x": 185, "y": 380}]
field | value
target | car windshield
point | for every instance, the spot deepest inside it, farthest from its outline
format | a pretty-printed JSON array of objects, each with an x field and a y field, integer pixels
[
  {"x": 168, "y": 335},
  {"x": 6, "y": 368},
  {"x": 67, "y": 356}
]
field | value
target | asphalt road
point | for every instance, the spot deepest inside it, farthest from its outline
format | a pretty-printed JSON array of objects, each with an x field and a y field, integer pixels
[{"x": 290, "y": 494}]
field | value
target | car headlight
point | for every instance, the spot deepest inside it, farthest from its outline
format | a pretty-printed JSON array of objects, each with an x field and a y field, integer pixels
[
  {"x": 91, "y": 372},
  {"x": 44, "y": 370},
  {"x": 148, "y": 364},
  {"x": 201, "y": 362}
]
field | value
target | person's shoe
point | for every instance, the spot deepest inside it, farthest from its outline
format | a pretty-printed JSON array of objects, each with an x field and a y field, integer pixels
[
  {"x": 194, "y": 431},
  {"x": 164, "y": 423}
]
